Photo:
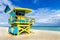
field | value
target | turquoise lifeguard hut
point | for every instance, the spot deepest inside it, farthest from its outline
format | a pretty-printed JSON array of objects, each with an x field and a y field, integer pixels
[{"x": 19, "y": 22}]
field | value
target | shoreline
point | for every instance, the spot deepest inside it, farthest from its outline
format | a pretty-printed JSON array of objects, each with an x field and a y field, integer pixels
[{"x": 35, "y": 35}]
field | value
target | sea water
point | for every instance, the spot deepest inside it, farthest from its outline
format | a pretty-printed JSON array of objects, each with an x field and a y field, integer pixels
[{"x": 52, "y": 28}]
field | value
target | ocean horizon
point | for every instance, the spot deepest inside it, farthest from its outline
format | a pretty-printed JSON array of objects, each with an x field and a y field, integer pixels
[{"x": 52, "y": 28}]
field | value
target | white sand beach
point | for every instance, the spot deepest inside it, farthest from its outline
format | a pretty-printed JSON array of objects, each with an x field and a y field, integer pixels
[{"x": 35, "y": 35}]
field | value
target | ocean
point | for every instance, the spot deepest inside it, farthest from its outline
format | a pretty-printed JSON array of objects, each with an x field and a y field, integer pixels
[{"x": 52, "y": 28}]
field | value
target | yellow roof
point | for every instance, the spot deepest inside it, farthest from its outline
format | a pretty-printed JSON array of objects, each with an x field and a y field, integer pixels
[{"x": 25, "y": 9}]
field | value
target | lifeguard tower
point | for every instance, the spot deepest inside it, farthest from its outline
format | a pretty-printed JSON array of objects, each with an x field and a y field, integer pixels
[{"x": 19, "y": 22}]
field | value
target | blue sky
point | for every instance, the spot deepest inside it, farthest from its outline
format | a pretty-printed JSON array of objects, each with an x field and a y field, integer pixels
[
  {"x": 34, "y": 4},
  {"x": 45, "y": 12}
]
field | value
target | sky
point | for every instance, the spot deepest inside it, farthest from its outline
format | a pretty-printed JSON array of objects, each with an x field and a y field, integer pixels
[{"x": 45, "y": 12}]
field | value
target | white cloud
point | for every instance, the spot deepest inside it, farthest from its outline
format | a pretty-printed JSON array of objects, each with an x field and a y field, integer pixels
[
  {"x": 44, "y": 15},
  {"x": 3, "y": 16},
  {"x": 3, "y": 4},
  {"x": 3, "y": 23}
]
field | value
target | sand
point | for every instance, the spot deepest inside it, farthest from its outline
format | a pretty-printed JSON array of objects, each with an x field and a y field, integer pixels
[{"x": 34, "y": 35}]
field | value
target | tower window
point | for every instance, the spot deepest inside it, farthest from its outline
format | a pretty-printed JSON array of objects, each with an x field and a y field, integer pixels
[{"x": 20, "y": 13}]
